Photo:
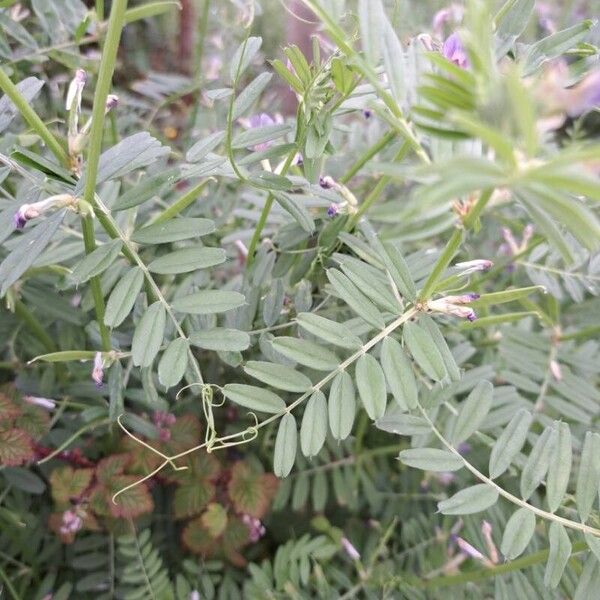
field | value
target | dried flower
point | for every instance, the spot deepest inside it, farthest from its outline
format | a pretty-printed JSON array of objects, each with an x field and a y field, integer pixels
[
  {"x": 454, "y": 305},
  {"x": 75, "y": 90},
  {"x": 98, "y": 369},
  {"x": 46, "y": 403},
  {"x": 486, "y": 530},
  {"x": 455, "y": 52},
  {"x": 349, "y": 549}
]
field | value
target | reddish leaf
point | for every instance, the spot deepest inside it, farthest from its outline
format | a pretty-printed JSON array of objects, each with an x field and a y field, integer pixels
[
  {"x": 130, "y": 504},
  {"x": 8, "y": 409},
  {"x": 34, "y": 421},
  {"x": 191, "y": 498},
  {"x": 185, "y": 434},
  {"x": 197, "y": 538},
  {"x": 16, "y": 448},
  {"x": 214, "y": 519},
  {"x": 68, "y": 483},
  {"x": 235, "y": 537},
  {"x": 251, "y": 492},
  {"x": 142, "y": 460},
  {"x": 111, "y": 466}
]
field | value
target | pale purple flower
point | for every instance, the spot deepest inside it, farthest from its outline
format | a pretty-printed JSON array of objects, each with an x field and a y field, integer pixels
[
  {"x": 473, "y": 266},
  {"x": 26, "y": 212},
  {"x": 455, "y": 306},
  {"x": 327, "y": 182},
  {"x": 445, "y": 478},
  {"x": 349, "y": 549},
  {"x": 468, "y": 549},
  {"x": 556, "y": 370},
  {"x": 256, "y": 529},
  {"x": 46, "y": 403},
  {"x": 451, "y": 14},
  {"x": 21, "y": 217},
  {"x": 486, "y": 530},
  {"x": 258, "y": 121},
  {"x": 585, "y": 96},
  {"x": 98, "y": 369},
  {"x": 455, "y": 52},
  {"x": 112, "y": 101},
  {"x": 71, "y": 522},
  {"x": 194, "y": 595}
]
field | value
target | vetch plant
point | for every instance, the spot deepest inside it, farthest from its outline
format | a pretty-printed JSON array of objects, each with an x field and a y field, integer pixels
[{"x": 373, "y": 316}]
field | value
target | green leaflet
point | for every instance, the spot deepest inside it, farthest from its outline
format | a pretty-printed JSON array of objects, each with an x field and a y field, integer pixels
[
  {"x": 342, "y": 406},
  {"x": 313, "y": 430},
  {"x": 278, "y": 376},
  {"x": 273, "y": 302},
  {"x": 148, "y": 335},
  {"x": 208, "y": 302},
  {"x": 329, "y": 331},
  {"x": 96, "y": 262},
  {"x": 589, "y": 580},
  {"x": 286, "y": 444},
  {"x": 399, "y": 374},
  {"x": 510, "y": 442},
  {"x": 559, "y": 470},
  {"x": 538, "y": 462},
  {"x": 431, "y": 459},
  {"x": 588, "y": 479},
  {"x": 355, "y": 299},
  {"x": 221, "y": 339},
  {"x": 254, "y": 398},
  {"x": 173, "y": 230},
  {"x": 370, "y": 381},
  {"x": 517, "y": 533},
  {"x": 424, "y": 351},
  {"x": 470, "y": 500},
  {"x": 306, "y": 353},
  {"x": 438, "y": 339},
  {"x": 173, "y": 362},
  {"x": 122, "y": 298},
  {"x": 560, "y": 552},
  {"x": 473, "y": 412},
  {"x": 186, "y": 260}
]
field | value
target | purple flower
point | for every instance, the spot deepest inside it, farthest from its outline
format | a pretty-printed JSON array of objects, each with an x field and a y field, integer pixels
[
  {"x": 327, "y": 182},
  {"x": 256, "y": 529},
  {"x": 111, "y": 102},
  {"x": 41, "y": 402},
  {"x": 332, "y": 211},
  {"x": 367, "y": 114},
  {"x": 349, "y": 549},
  {"x": 258, "y": 121},
  {"x": 455, "y": 52},
  {"x": 20, "y": 218}
]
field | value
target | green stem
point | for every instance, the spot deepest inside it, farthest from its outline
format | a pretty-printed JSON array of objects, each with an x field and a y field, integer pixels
[
  {"x": 181, "y": 203},
  {"x": 89, "y": 241},
  {"x": 34, "y": 326},
  {"x": 481, "y": 574},
  {"x": 9, "y": 585},
  {"x": 100, "y": 10},
  {"x": 442, "y": 263},
  {"x": 367, "y": 156},
  {"x": 27, "y": 112},
  {"x": 107, "y": 67}
]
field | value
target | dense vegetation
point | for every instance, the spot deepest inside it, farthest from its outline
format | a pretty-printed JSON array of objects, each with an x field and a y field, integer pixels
[{"x": 299, "y": 300}]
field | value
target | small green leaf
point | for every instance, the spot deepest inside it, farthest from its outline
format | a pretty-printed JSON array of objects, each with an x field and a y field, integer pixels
[
  {"x": 342, "y": 406},
  {"x": 313, "y": 430},
  {"x": 560, "y": 552},
  {"x": 221, "y": 339},
  {"x": 424, "y": 351},
  {"x": 173, "y": 363},
  {"x": 148, "y": 335},
  {"x": 346, "y": 290},
  {"x": 243, "y": 56},
  {"x": 430, "y": 326},
  {"x": 273, "y": 302},
  {"x": 431, "y": 459},
  {"x": 588, "y": 479},
  {"x": 473, "y": 412},
  {"x": 538, "y": 462},
  {"x": 329, "y": 331},
  {"x": 96, "y": 262},
  {"x": 122, "y": 298},
  {"x": 306, "y": 353},
  {"x": 145, "y": 189},
  {"x": 559, "y": 471},
  {"x": 250, "y": 94},
  {"x": 186, "y": 260},
  {"x": 399, "y": 374},
  {"x": 470, "y": 500},
  {"x": 173, "y": 230},
  {"x": 208, "y": 302},
  {"x": 517, "y": 533},
  {"x": 286, "y": 444},
  {"x": 370, "y": 381},
  {"x": 203, "y": 146},
  {"x": 278, "y": 376},
  {"x": 254, "y": 398},
  {"x": 510, "y": 442}
]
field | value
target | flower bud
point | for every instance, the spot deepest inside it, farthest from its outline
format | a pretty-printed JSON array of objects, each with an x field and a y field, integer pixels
[
  {"x": 349, "y": 549},
  {"x": 76, "y": 89},
  {"x": 473, "y": 266}
]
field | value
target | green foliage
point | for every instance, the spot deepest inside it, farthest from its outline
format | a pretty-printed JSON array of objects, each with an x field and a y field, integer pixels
[{"x": 205, "y": 289}]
